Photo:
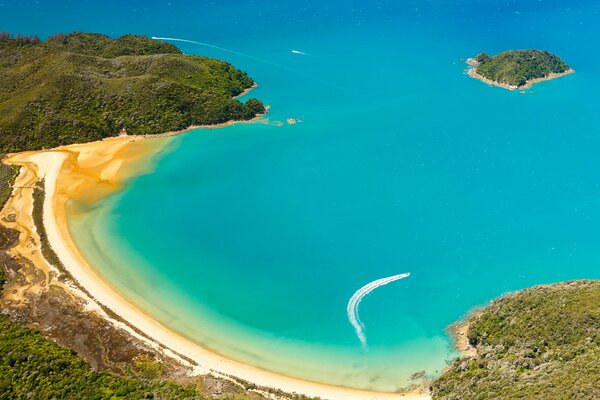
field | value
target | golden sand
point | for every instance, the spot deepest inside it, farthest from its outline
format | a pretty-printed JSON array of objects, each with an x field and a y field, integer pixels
[{"x": 89, "y": 171}]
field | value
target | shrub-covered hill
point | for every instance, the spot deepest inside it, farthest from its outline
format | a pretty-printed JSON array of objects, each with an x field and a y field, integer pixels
[
  {"x": 32, "y": 367},
  {"x": 84, "y": 86},
  {"x": 517, "y": 67},
  {"x": 540, "y": 343}
]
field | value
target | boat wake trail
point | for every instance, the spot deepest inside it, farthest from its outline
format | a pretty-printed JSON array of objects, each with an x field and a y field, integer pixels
[
  {"x": 262, "y": 60},
  {"x": 212, "y": 46},
  {"x": 358, "y": 296}
]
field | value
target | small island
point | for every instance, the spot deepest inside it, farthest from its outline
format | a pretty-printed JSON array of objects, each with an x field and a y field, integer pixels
[{"x": 517, "y": 69}]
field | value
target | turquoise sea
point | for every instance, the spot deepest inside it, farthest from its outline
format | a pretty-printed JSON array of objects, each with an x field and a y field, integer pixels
[{"x": 250, "y": 240}]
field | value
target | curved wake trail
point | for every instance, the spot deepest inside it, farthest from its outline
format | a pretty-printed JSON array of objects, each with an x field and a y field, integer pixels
[
  {"x": 262, "y": 60},
  {"x": 358, "y": 296}
]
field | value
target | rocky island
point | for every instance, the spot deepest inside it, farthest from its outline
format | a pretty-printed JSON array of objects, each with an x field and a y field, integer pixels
[{"x": 517, "y": 69}]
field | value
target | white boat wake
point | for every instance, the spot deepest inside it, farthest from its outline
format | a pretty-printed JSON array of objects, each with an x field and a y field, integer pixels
[
  {"x": 237, "y": 53},
  {"x": 212, "y": 46},
  {"x": 358, "y": 296},
  {"x": 262, "y": 60}
]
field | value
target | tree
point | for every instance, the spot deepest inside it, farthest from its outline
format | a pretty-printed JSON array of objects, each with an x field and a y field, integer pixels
[{"x": 256, "y": 105}]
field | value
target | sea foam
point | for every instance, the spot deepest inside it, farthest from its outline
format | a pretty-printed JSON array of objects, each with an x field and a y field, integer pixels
[{"x": 357, "y": 298}]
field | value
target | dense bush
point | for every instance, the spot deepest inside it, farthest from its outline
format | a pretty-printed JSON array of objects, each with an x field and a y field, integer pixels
[
  {"x": 541, "y": 343},
  {"x": 83, "y": 87},
  {"x": 2, "y": 280},
  {"x": 516, "y": 67},
  {"x": 8, "y": 174},
  {"x": 32, "y": 367},
  {"x": 256, "y": 105}
]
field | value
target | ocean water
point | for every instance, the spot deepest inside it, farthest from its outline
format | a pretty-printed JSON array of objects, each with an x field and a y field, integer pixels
[{"x": 250, "y": 240}]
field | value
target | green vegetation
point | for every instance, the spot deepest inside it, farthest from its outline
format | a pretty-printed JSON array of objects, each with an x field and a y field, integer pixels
[
  {"x": 517, "y": 67},
  {"x": 37, "y": 214},
  {"x": 2, "y": 280},
  {"x": 84, "y": 87},
  {"x": 8, "y": 174},
  {"x": 256, "y": 105},
  {"x": 33, "y": 367},
  {"x": 541, "y": 343}
]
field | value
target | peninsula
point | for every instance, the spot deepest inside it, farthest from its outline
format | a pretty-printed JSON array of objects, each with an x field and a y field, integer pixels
[
  {"x": 84, "y": 87},
  {"x": 538, "y": 343},
  {"x": 517, "y": 69}
]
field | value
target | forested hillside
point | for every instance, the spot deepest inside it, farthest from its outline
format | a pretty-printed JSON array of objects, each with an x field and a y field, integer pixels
[
  {"x": 517, "y": 67},
  {"x": 540, "y": 343},
  {"x": 83, "y": 87}
]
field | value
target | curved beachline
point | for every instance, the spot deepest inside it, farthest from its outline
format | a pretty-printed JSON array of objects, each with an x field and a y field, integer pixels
[{"x": 55, "y": 166}]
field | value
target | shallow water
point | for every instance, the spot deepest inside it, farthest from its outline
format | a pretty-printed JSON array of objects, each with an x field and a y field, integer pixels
[{"x": 250, "y": 240}]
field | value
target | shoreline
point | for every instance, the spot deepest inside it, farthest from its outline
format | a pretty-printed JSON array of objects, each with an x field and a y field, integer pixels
[
  {"x": 472, "y": 72},
  {"x": 246, "y": 91},
  {"x": 71, "y": 170},
  {"x": 459, "y": 332}
]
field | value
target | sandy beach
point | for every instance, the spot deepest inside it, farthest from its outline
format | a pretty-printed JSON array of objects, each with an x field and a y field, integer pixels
[
  {"x": 93, "y": 170},
  {"x": 472, "y": 72}
]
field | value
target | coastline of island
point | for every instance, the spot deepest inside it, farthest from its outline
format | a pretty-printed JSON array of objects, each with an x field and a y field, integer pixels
[
  {"x": 472, "y": 72},
  {"x": 95, "y": 170}
]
